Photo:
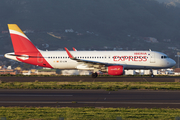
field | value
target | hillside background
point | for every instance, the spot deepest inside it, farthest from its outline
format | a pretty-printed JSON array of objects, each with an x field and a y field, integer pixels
[
  {"x": 175, "y": 3},
  {"x": 94, "y": 24}
]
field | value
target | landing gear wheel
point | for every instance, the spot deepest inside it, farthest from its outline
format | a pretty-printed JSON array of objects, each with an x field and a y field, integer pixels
[
  {"x": 94, "y": 75},
  {"x": 152, "y": 75}
]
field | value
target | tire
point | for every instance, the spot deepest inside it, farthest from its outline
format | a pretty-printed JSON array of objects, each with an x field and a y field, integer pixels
[
  {"x": 152, "y": 76},
  {"x": 94, "y": 75}
]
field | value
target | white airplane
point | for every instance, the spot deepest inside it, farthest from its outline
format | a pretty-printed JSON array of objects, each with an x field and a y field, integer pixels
[{"x": 111, "y": 62}]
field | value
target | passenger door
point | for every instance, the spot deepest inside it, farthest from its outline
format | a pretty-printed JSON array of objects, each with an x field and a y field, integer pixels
[{"x": 152, "y": 58}]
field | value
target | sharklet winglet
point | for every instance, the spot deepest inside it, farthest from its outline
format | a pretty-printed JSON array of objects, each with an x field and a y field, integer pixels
[
  {"x": 74, "y": 49},
  {"x": 69, "y": 54}
]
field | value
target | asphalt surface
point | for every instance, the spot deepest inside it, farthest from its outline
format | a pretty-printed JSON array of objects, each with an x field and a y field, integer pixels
[
  {"x": 90, "y": 98},
  {"x": 89, "y": 79}
]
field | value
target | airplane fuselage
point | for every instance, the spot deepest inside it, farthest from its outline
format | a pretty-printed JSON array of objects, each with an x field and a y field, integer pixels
[{"x": 128, "y": 59}]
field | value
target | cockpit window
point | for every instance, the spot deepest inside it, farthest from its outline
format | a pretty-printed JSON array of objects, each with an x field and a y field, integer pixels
[{"x": 164, "y": 57}]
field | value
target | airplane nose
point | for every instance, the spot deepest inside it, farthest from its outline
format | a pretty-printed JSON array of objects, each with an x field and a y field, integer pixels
[{"x": 172, "y": 63}]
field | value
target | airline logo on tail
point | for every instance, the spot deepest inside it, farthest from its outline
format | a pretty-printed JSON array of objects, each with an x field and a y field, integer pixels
[
  {"x": 24, "y": 49},
  {"x": 20, "y": 41}
]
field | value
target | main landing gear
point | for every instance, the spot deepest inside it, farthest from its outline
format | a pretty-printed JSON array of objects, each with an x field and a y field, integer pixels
[
  {"x": 94, "y": 75},
  {"x": 151, "y": 73}
]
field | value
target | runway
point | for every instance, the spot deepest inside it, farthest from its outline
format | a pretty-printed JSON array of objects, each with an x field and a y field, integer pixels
[
  {"x": 89, "y": 79},
  {"x": 90, "y": 98}
]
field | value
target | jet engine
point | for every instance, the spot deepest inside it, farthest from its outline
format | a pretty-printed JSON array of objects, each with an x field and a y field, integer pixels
[{"x": 115, "y": 70}]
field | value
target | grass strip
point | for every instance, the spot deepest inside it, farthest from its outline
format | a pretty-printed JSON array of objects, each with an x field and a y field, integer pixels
[
  {"x": 50, "y": 113},
  {"x": 110, "y": 86}
]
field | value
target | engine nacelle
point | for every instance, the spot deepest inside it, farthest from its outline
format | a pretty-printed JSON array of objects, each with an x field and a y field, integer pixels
[{"x": 115, "y": 70}]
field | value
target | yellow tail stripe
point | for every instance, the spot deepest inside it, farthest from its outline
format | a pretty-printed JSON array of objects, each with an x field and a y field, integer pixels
[{"x": 15, "y": 28}]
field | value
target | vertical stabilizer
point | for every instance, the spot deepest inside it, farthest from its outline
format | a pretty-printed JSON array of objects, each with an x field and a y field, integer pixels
[{"x": 20, "y": 41}]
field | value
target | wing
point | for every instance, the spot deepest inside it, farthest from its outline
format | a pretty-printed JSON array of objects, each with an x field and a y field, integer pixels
[{"x": 88, "y": 61}]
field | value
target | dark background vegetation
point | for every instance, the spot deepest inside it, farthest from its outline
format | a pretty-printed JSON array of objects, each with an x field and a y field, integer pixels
[{"x": 104, "y": 24}]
